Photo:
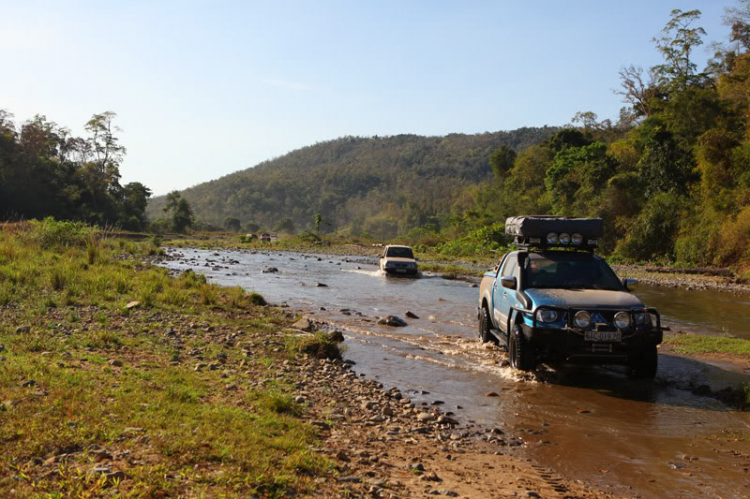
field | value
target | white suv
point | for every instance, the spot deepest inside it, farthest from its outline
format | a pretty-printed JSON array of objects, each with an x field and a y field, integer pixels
[{"x": 398, "y": 260}]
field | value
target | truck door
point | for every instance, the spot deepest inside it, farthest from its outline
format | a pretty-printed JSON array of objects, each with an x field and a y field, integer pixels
[{"x": 501, "y": 297}]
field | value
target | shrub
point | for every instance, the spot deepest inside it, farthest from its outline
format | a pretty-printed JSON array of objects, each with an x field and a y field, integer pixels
[
  {"x": 50, "y": 233},
  {"x": 734, "y": 239}
]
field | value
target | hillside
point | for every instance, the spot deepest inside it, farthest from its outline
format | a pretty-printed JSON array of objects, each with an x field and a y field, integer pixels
[{"x": 379, "y": 185}]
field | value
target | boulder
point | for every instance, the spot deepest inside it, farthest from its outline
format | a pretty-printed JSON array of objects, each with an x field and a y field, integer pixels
[{"x": 392, "y": 321}]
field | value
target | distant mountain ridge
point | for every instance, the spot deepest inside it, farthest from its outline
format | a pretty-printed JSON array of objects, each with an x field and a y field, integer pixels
[{"x": 380, "y": 185}]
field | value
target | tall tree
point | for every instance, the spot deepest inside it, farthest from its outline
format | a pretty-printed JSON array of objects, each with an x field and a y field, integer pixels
[{"x": 679, "y": 38}]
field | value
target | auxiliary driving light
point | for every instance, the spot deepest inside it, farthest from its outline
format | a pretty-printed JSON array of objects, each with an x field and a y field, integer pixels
[
  {"x": 576, "y": 239},
  {"x": 551, "y": 238},
  {"x": 583, "y": 319},
  {"x": 564, "y": 238},
  {"x": 622, "y": 320}
]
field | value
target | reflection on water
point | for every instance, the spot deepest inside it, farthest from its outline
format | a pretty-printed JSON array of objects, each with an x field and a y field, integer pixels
[
  {"x": 589, "y": 423},
  {"x": 700, "y": 311}
]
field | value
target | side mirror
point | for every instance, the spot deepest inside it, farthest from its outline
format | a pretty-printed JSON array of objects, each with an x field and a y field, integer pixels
[
  {"x": 508, "y": 282},
  {"x": 630, "y": 284}
]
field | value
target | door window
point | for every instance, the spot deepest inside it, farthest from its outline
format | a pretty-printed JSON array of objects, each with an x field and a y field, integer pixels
[{"x": 510, "y": 266}]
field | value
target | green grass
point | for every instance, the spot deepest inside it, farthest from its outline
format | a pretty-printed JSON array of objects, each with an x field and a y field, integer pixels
[
  {"x": 693, "y": 344},
  {"x": 101, "y": 370}
]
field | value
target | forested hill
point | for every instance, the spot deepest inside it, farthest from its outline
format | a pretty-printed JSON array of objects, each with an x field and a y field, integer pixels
[{"x": 379, "y": 185}]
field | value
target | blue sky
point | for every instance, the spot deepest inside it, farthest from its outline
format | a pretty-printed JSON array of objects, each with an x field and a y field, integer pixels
[{"x": 203, "y": 88}]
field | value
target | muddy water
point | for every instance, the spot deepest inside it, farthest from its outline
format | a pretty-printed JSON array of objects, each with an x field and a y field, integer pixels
[{"x": 588, "y": 423}]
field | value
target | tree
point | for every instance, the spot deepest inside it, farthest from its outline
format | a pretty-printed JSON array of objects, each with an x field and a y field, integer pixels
[
  {"x": 252, "y": 227},
  {"x": 233, "y": 224},
  {"x": 286, "y": 224},
  {"x": 502, "y": 160},
  {"x": 636, "y": 90},
  {"x": 133, "y": 206},
  {"x": 738, "y": 18},
  {"x": 183, "y": 218},
  {"x": 182, "y": 213},
  {"x": 679, "y": 38},
  {"x": 318, "y": 221}
]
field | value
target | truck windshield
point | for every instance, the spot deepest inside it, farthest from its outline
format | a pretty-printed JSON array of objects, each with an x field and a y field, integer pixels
[
  {"x": 570, "y": 271},
  {"x": 400, "y": 253}
]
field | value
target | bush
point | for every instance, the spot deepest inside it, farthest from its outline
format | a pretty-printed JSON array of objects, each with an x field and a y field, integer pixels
[
  {"x": 734, "y": 239},
  {"x": 50, "y": 233}
]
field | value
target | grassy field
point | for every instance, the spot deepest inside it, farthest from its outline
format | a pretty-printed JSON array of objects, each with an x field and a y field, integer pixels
[
  {"x": 690, "y": 344},
  {"x": 116, "y": 378}
]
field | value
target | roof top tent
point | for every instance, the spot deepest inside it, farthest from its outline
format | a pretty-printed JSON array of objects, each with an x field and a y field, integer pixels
[{"x": 546, "y": 231}]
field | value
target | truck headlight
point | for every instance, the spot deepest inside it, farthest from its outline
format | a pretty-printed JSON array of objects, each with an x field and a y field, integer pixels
[
  {"x": 622, "y": 320},
  {"x": 546, "y": 315},
  {"x": 583, "y": 319}
]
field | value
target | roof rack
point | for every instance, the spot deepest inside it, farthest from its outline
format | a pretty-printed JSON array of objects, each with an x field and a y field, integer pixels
[{"x": 549, "y": 231}]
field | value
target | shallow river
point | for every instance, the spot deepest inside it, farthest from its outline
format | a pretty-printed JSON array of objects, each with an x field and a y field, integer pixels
[{"x": 587, "y": 423}]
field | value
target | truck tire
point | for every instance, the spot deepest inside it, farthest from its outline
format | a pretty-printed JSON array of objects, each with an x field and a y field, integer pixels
[
  {"x": 645, "y": 364},
  {"x": 520, "y": 351},
  {"x": 484, "y": 327}
]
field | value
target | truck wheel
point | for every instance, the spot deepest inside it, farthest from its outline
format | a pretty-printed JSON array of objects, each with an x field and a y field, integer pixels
[
  {"x": 484, "y": 327},
  {"x": 520, "y": 351},
  {"x": 645, "y": 364}
]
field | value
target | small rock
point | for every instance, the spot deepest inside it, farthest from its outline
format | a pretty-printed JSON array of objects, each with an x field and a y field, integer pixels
[
  {"x": 411, "y": 315},
  {"x": 231, "y": 388},
  {"x": 321, "y": 285},
  {"x": 302, "y": 325},
  {"x": 23, "y": 329},
  {"x": 115, "y": 363},
  {"x": 447, "y": 420},
  {"x": 100, "y": 469},
  {"x": 425, "y": 416},
  {"x": 392, "y": 321},
  {"x": 341, "y": 456},
  {"x": 350, "y": 479},
  {"x": 299, "y": 399},
  {"x": 132, "y": 304},
  {"x": 493, "y": 394}
]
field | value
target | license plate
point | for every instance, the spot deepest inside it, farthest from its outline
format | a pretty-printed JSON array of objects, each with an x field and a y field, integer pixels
[{"x": 603, "y": 336}]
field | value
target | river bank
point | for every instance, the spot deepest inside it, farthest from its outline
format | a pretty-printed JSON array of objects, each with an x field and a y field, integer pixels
[{"x": 119, "y": 379}]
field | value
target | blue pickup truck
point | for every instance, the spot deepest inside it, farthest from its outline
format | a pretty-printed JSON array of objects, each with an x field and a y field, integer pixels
[{"x": 553, "y": 300}]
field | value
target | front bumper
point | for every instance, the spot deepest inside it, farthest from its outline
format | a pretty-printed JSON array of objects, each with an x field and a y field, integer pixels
[
  {"x": 399, "y": 271},
  {"x": 569, "y": 346}
]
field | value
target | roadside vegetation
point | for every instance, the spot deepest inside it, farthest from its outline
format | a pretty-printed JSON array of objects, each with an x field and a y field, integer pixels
[
  {"x": 119, "y": 379},
  {"x": 691, "y": 344}
]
